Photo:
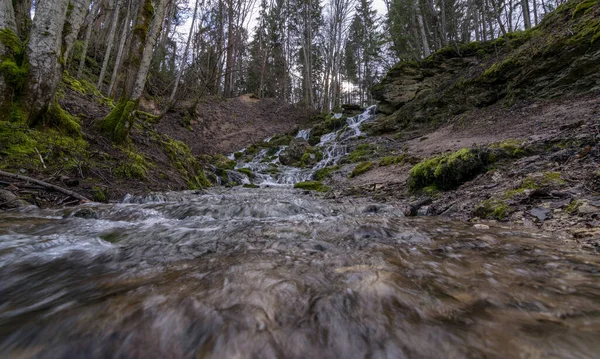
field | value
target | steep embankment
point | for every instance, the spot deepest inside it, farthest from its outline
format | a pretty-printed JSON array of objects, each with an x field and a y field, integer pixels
[
  {"x": 171, "y": 154},
  {"x": 503, "y": 130}
]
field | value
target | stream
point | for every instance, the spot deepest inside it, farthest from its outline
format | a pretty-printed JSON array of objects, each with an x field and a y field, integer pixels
[{"x": 277, "y": 272}]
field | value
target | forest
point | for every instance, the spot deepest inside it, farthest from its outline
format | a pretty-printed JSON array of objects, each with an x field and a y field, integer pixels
[{"x": 319, "y": 54}]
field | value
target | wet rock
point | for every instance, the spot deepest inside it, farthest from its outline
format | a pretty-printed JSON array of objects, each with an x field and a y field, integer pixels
[
  {"x": 294, "y": 152},
  {"x": 540, "y": 213},
  {"x": 9, "y": 200},
  {"x": 481, "y": 226},
  {"x": 86, "y": 213}
]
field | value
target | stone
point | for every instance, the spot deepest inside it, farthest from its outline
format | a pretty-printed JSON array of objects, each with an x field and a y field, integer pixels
[
  {"x": 540, "y": 213},
  {"x": 294, "y": 152},
  {"x": 587, "y": 208},
  {"x": 481, "y": 226},
  {"x": 9, "y": 200}
]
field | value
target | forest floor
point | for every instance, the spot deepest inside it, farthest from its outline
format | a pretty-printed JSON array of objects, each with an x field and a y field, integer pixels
[
  {"x": 554, "y": 183},
  {"x": 164, "y": 155}
]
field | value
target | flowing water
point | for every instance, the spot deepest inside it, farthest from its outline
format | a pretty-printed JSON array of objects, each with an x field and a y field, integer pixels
[
  {"x": 333, "y": 145},
  {"x": 282, "y": 273},
  {"x": 275, "y": 272}
]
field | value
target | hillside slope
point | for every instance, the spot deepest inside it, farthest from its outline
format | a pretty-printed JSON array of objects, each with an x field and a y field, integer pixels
[
  {"x": 492, "y": 131},
  {"x": 561, "y": 56}
]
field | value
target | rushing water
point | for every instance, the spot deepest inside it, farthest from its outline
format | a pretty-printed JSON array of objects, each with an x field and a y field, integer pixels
[
  {"x": 275, "y": 272},
  {"x": 280, "y": 273},
  {"x": 333, "y": 145}
]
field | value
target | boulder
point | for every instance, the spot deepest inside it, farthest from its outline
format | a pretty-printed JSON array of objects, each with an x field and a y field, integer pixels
[
  {"x": 294, "y": 152},
  {"x": 9, "y": 200}
]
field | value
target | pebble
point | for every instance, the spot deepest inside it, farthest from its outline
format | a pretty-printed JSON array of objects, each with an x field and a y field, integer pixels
[{"x": 481, "y": 226}]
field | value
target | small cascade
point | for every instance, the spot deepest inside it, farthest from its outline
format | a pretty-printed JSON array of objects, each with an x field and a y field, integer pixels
[
  {"x": 268, "y": 171},
  {"x": 303, "y": 134}
]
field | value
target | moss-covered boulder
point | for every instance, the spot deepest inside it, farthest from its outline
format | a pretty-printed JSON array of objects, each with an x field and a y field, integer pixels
[
  {"x": 293, "y": 154},
  {"x": 361, "y": 168},
  {"x": 560, "y": 56},
  {"x": 448, "y": 171},
  {"x": 312, "y": 186}
]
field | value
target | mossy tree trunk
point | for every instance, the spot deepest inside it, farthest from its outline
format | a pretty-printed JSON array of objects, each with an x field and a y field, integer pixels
[
  {"x": 145, "y": 33},
  {"x": 7, "y": 21},
  {"x": 75, "y": 16},
  {"x": 22, "y": 17},
  {"x": 43, "y": 53}
]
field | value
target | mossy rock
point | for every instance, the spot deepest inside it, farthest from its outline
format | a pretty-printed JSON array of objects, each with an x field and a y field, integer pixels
[
  {"x": 247, "y": 172},
  {"x": 493, "y": 209},
  {"x": 362, "y": 152},
  {"x": 361, "y": 168},
  {"x": 312, "y": 186},
  {"x": 324, "y": 173},
  {"x": 449, "y": 170}
]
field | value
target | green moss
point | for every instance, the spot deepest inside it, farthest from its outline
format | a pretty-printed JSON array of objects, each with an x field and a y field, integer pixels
[
  {"x": 583, "y": 7},
  {"x": 324, "y": 173},
  {"x": 448, "y": 171},
  {"x": 223, "y": 162},
  {"x": 311, "y": 186},
  {"x": 326, "y": 124},
  {"x": 186, "y": 164},
  {"x": 573, "y": 207},
  {"x": 493, "y": 209},
  {"x": 20, "y": 145},
  {"x": 14, "y": 74},
  {"x": 9, "y": 39},
  {"x": 432, "y": 190},
  {"x": 281, "y": 140},
  {"x": 135, "y": 165},
  {"x": 119, "y": 121},
  {"x": 57, "y": 117},
  {"x": 544, "y": 179},
  {"x": 362, "y": 152},
  {"x": 510, "y": 148},
  {"x": 246, "y": 171},
  {"x": 499, "y": 69},
  {"x": 250, "y": 186},
  {"x": 85, "y": 88},
  {"x": 99, "y": 195},
  {"x": 361, "y": 168},
  {"x": 391, "y": 160}
]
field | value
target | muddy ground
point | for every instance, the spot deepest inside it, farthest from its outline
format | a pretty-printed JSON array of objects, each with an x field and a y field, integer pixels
[{"x": 559, "y": 136}]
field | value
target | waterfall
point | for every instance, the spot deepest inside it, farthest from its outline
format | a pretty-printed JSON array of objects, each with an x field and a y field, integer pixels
[{"x": 268, "y": 171}]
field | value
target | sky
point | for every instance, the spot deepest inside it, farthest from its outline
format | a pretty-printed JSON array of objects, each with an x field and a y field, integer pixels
[{"x": 184, "y": 28}]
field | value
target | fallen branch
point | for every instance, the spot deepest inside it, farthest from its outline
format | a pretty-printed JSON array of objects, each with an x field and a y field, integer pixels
[
  {"x": 45, "y": 185},
  {"x": 41, "y": 159}
]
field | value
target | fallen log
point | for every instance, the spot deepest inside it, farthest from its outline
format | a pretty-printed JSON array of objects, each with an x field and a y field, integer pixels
[{"x": 45, "y": 185}]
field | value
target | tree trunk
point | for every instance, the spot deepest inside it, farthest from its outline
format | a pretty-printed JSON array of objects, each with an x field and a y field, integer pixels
[
  {"x": 184, "y": 58},
  {"x": 122, "y": 40},
  {"x": 119, "y": 121},
  {"x": 499, "y": 19},
  {"x": 22, "y": 17},
  {"x": 526, "y": 17},
  {"x": 228, "y": 83},
  {"x": 43, "y": 51},
  {"x": 155, "y": 30},
  {"x": 535, "y": 14},
  {"x": 425, "y": 42},
  {"x": 7, "y": 21},
  {"x": 111, "y": 40},
  {"x": 74, "y": 21},
  {"x": 89, "y": 19}
]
